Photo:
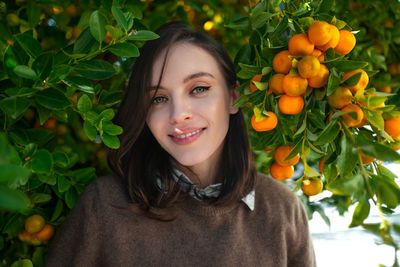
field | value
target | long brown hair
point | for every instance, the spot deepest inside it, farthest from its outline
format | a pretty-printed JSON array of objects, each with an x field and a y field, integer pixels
[{"x": 140, "y": 160}]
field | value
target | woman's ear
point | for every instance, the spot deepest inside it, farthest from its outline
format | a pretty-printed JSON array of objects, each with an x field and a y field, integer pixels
[{"x": 234, "y": 96}]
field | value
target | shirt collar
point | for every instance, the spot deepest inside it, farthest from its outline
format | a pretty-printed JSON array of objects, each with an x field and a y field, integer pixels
[{"x": 212, "y": 190}]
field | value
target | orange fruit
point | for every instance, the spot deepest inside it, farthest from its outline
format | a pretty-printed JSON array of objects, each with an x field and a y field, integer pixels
[
  {"x": 362, "y": 123},
  {"x": 392, "y": 127},
  {"x": 281, "y": 173},
  {"x": 70, "y": 10},
  {"x": 282, "y": 152},
  {"x": 321, "y": 79},
  {"x": 108, "y": 38},
  {"x": 347, "y": 41},
  {"x": 266, "y": 124},
  {"x": 366, "y": 159},
  {"x": 300, "y": 45},
  {"x": 25, "y": 236},
  {"x": 362, "y": 83},
  {"x": 294, "y": 85},
  {"x": 319, "y": 32},
  {"x": 34, "y": 223},
  {"x": 282, "y": 62},
  {"x": 256, "y": 78},
  {"x": 308, "y": 66},
  {"x": 333, "y": 42},
  {"x": 321, "y": 165},
  {"x": 75, "y": 32},
  {"x": 290, "y": 104},
  {"x": 340, "y": 98},
  {"x": 46, "y": 233},
  {"x": 385, "y": 89},
  {"x": 312, "y": 186},
  {"x": 392, "y": 68},
  {"x": 275, "y": 83},
  {"x": 348, "y": 119},
  {"x": 318, "y": 53}
]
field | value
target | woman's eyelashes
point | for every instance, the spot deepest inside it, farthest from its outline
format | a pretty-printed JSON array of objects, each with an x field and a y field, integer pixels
[{"x": 199, "y": 90}]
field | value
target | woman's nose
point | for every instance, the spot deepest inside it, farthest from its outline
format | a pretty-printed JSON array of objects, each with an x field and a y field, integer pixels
[{"x": 180, "y": 112}]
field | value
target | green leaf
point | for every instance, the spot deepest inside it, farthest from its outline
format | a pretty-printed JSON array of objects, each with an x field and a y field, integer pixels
[
  {"x": 143, "y": 35},
  {"x": 85, "y": 175},
  {"x": 70, "y": 197},
  {"x": 84, "y": 42},
  {"x": 60, "y": 159},
  {"x": 52, "y": 98},
  {"x": 120, "y": 18},
  {"x": 33, "y": 11},
  {"x": 84, "y": 104},
  {"x": 48, "y": 179},
  {"x": 125, "y": 50},
  {"x": 42, "y": 161},
  {"x": 260, "y": 19},
  {"x": 361, "y": 211},
  {"x": 43, "y": 65},
  {"x": 107, "y": 115},
  {"x": 44, "y": 114},
  {"x": 349, "y": 65},
  {"x": 333, "y": 81},
  {"x": 387, "y": 191},
  {"x": 59, "y": 72},
  {"x": 63, "y": 184},
  {"x": 329, "y": 133},
  {"x": 40, "y": 198},
  {"x": 90, "y": 130},
  {"x": 112, "y": 129},
  {"x": 346, "y": 186},
  {"x": 240, "y": 24},
  {"x": 376, "y": 150},
  {"x": 14, "y": 106},
  {"x": 110, "y": 141},
  {"x": 57, "y": 210},
  {"x": 375, "y": 118},
  {"x": 353, "y": 80},
  {"x": 31, "y": 46},
  {"x": 95, "y": 69},
  {"x": 348, "y": 156},
  {"x": 22, "y": 263},
  {"x": 25, "y": 72},
  {"x": 97, "y": 26},
  {"x": 12, "y": 200},
  {"x": 330, "y": 172},
  {"x": 79, "y": 82},
  {"x": 10, "y": 172}
]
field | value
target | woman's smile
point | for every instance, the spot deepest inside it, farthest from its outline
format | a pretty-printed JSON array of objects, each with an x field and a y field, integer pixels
[{"x": 187, "y": 136}]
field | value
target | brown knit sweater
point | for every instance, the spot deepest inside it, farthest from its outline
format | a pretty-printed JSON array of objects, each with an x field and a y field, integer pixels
[{"x": 96, "y": 234}]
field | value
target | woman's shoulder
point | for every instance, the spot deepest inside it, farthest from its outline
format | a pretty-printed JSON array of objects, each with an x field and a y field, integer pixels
[
  {"x": 275, "y": 194},
  {"x": 107, "y": 188}
]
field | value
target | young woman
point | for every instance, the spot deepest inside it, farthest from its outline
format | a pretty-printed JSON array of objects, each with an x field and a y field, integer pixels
[{"x": 184, "y": 190}]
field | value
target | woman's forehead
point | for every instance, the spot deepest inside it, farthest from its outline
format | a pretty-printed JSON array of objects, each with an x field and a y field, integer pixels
[{"x": 183, "y": 60}]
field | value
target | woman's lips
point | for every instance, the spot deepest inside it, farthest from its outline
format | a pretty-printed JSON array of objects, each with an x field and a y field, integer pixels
[{"x": 186, "y": 137}]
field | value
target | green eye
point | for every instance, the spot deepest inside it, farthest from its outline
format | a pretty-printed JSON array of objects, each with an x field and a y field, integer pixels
[
  {"x": 159, "y": 100},
  {"x": 200, "y": 89}
]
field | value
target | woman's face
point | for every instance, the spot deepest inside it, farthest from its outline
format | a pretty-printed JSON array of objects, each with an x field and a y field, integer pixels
[{"x": 189, "y": 115}]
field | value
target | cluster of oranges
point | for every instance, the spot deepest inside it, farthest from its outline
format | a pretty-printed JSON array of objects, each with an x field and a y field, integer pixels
[
  {"x": 301, "y": 67},
  {"x": 36, "y": 230},
  {"x": 282, "y": 169}
]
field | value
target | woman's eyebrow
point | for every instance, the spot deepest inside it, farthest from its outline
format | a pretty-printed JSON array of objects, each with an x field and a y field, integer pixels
[{"x": 196, "y": 75}]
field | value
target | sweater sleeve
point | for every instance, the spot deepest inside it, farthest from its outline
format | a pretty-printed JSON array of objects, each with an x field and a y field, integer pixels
[
  {"x": 78, "y": 239},
  {"x": 300, "y": 247}
]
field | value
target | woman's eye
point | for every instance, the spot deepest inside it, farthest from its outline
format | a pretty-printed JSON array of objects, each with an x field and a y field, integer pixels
[
  {"x": 159, "y": 100},
  {"x": 200, "y": 89}
]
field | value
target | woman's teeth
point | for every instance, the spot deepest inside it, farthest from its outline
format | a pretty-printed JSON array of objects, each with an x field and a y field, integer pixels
[{"x": 187, "y": 135}]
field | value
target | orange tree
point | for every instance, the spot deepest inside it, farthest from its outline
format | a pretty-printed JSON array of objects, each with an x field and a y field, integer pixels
[
  {"x": 337, "y": 118},
  {"x": 64, "y": 67}
]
